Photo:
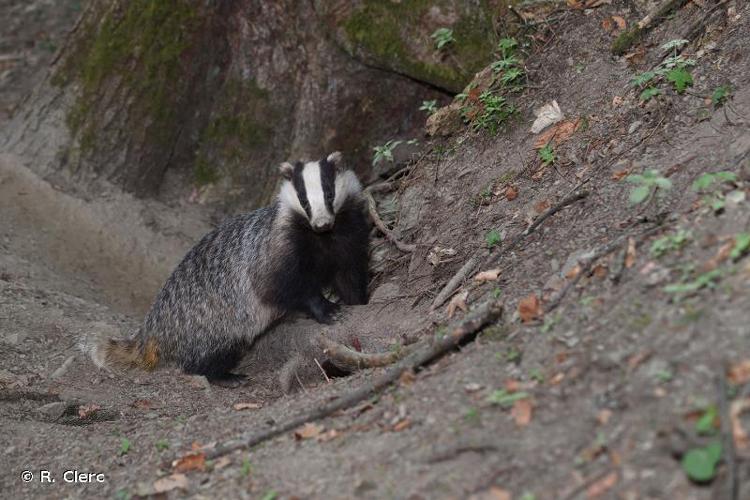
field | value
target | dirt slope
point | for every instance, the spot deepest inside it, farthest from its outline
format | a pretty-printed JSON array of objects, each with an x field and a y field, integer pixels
[{"x": 617, "y": 375}]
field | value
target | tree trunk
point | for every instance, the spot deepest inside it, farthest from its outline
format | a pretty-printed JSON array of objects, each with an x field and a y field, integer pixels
[{"x": 158, "y": 97}]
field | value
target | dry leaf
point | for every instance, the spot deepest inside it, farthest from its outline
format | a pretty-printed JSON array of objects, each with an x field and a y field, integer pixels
[
  {"x": 458, "y": 302},
  {"x": 559, "y": 133},
  {"x": 247, "y": 406},
  {"x": 511, "y": 193},
  {"x": 489, "y": 275},
  {"x": 601, "y": 486},
  {"x": 512, "y": 385},
  {"x": 170, "y": 483},
  {"x": 620, "y": 174},
  {"x": 619, "y": 22},
  {"x": 222, "y": 462},
  {"x": 541, "y": 206},
  {"x": 190, "y": 462},
  {"x": 538, "y": 174},
  {"x": 401, "y": 425},
  {"x": 636, "y": 359},
  {"x": 555, "y": 380},
  {"x": 437, "y": 254},
  {"x": 600, "y": 271},
  {"x": 630, "y": 253},
  {"x": 736, "y": 409},
  {"x": 739, "y": 373},
  {"x": 547, "y": 115},
  {"x": 573, "y": 272},
  {"x": 85, "y": 411},
  {"x": 521, "y": 412},
  {"x": 607, "y": 24},
  {"x": 617, "y": 101},
  {"x": 604, "y": 416},
  {"x": 723, "y": 254},
  {"x": 328, "y": 435},
  {"x": 143, "y": 404},
  {"x": 307, "y": 431},
  {"x": 530, "y": 308},
  {"x": 407, "y": 377}
]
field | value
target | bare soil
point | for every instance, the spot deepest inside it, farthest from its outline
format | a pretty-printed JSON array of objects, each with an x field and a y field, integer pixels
[{"x": 617, "y": 374}]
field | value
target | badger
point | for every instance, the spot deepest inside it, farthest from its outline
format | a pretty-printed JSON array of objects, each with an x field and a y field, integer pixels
[{"x": 252, "y": 271}]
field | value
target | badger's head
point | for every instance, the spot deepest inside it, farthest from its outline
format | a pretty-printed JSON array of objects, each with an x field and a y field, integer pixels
[{"x": 318, "y": 190}]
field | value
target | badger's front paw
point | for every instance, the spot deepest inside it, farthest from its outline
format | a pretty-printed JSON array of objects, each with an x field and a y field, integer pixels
[{"x": 324, "y": 311}]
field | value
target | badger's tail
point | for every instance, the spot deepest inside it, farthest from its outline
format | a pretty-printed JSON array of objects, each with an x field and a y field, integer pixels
[{"x": 120, "y": 353}]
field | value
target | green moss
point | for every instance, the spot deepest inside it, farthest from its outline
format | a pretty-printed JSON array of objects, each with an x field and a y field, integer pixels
[
  {"x": 141, "y": 46},
  {"x": 382, "y": 28},
  {"x": 204, "y": 172},
  {"x": 625, "y": 40}
]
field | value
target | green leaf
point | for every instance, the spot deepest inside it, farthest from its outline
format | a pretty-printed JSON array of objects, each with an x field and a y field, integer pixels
[
  {"x": 124, "y": 446},
  {"x": 705, "y": 424},
  {"x": 720, "y": 95},
  {"x": 700, "y": 463},
  {"x": 547, "y": 154},
  {"x": 638, "y": 194},
  {"x": 648, "y": 93},
  {"x": 741, "y": 245},
  {"x": 270, "y": 495},
  {"x": 717, "y": 203},
  {"x": 674, "y": 44},
  {"x": 680, "y": 78},
  {"x": 642, "y": 79},
  {"x": 703, "y": 181},
  {"x": 493, "y": 238},
  {"x": 504, "y": 398},
  {"x": 635, "y": 179},
  {"x": 726, "y": 176},
  {"x": 663, "y": 183}
]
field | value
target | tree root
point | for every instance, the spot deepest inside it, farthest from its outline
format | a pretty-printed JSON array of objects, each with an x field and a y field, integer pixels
[
  {"x": 349, "y": 359},
  {"x": 371, "y": 208},
  {"x": 425, "y": 352}
]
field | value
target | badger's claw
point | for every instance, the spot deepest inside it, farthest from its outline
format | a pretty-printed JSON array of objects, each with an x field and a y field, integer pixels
[{"x": 324, "y": 311}]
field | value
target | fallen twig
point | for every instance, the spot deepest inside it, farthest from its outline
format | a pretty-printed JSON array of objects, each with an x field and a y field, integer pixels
[
  {"x": 472, "y": 322},
  {"x": 349, "y": 359},
  {"x": 372, "y": 209},
  {"x": 588, "y": 263},
  {"x": 730, "y": 456},
  {"x": 471, "y": 264}
]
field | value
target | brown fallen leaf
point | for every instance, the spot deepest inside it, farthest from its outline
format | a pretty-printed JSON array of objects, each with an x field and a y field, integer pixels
[
  {"x": 739, "y": 373},
  {"x": 458, "y": 302},
  {"x": 407, "y": 377},
  {"x": 247, "y": 406},
  {"x": 327, "y": 436},
  {"x": 86, "y": 411},
  {"x": 620, "y": 174},
  {"x": 190, "y": 462},
  {"x": 401, "y": 425},
  {"x": 558, "y": 134},
  {"x": 573, "y": 272},
  {"x": 222, "y": 462},
  {"x": 307, "y": 431},
  {"x": 541, "y": 206},
  {"x": 143, "y": 404},
  {"x": 619, "y": 21},
  {"x": 721, "y": 255},
  {"x": 603, "y": 416},
  {"x": 522, "y": 411},
  {"x": 600, "y": 487},
  {"x": 170, "y": 483},
  {"x": 530, "y": 308},
  {"x": 489, "y": 275},
  {"x": 511, "y": 193},
  {"x": 539, "y": 174},
  {"x": 736, "y": 409},
  {"x": 617, "y": 101},
  {"x": 556, "y": 379},
  {"x": 630, "y": 254},
  {"x": 600, "y": 271}
]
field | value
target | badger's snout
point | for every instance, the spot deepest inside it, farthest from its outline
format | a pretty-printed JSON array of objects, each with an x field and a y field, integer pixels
[{"x": 321, "y": 226}]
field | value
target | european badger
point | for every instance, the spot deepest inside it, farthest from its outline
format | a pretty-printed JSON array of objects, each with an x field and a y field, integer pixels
[{"x": 251, "y": 271}]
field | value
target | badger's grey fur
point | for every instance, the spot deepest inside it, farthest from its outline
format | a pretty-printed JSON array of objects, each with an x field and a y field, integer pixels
[{"x": 251, "y": 271}]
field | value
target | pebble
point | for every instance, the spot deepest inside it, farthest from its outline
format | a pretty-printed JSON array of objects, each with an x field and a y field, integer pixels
[
  {"x": 634, "y": 126},
  {"x": 63, "y": 368},
  {"x": 52, "y": 411}
]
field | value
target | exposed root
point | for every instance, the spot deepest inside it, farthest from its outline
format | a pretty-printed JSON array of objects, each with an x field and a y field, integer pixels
[
  {"x": 427, "y": 351},
  {"x": 454, "y": 282},
  {"x": 371, "y": 208},
  {"x": 349, "y": 359}
]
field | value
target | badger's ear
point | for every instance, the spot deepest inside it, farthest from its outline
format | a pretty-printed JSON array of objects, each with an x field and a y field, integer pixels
[
  {"x": 336, "y": 158},
  {"x": 286, "y": 170}
]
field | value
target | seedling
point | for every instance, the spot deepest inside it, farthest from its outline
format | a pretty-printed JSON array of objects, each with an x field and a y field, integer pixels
[
  {"x": 672, "y": 70},
  {"x": 705, "y": 424},
  {"x": 493, "y": 238},
  {"x": 430, "y": 107},
  {"x": 547, "y": 155},
  {"x": 664, "y": 376},
  {"x": 162, "y": 445},
  {"x": 646, "y": 184},
  {"x": 705, "y": 280},
  {"x": 670, "y": 243},
  {"x": 270, "y": 495},
  {"x": 741, "y": 245},
  {"x": 721, "y": 95},
  {"x": 700, "y": 463},
  {"x": 501, "y": 397},
  {"x": 124, "y": 446},
  {"x": 246, "y": 467},
  {"x": 709, "y": 184},
  {"x": 443, "y": 37},
  {"x": 471, "y": 415},
  {"x": 384, "y": 152}
]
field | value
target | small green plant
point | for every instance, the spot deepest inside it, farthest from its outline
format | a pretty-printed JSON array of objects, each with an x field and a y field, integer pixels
[
  {"x": 721, "y": 95},
  {"x": 537, "y": 376},
  {"x": 547, "y": 155},
  {"x": 501, "y": 397},
  {"x": 123, "y": 494},
  {"x": 705, "y": 424},
  {"x": 471, "y": 415},
  {"x": 496, "y": 293},
  {"x": 646, "y": 184},
  {"x": 673, "y": 70},
  {"x": 124, "y": 446},
  {"x": 705, "y": 280},
  {"x": 493, "y": 238},
  {"x": 664, "y": 376},
  {"x": 670, "y": 243},
  {"x": 700, "y": 463},
  {"x": 384, "y": 152},
  {"x": 162, "y": 445},
  {"x": 430, "y": 107},
  {"x": 270, "y": 495},
  {"x": 741, "y": 245},
  {"x": 443, "y": 37},
  {"x": 513, "y": 355},
  {"x": 709, "y": 184},
  {"x": 527, "y": 496},
  {"x": 246, "y": 467}
]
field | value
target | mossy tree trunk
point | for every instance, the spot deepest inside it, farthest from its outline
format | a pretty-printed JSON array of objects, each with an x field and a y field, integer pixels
[{"x": 219, "y": 92}]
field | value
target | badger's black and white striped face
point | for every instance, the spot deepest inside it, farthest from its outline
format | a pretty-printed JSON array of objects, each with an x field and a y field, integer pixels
[{"x": 318, "y": 190}]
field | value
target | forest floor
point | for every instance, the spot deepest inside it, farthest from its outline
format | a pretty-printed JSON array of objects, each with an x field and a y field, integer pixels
[{"x": 603, "y": 375}]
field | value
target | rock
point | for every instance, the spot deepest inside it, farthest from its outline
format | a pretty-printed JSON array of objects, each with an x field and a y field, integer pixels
[
  {"x": 198, "y": 381},
  {"x": 63, "y": 368},
  {"x": 634, "y": 126},
  {"x": 52, "y": 411},
  {"x": 445, "y": 121}
]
